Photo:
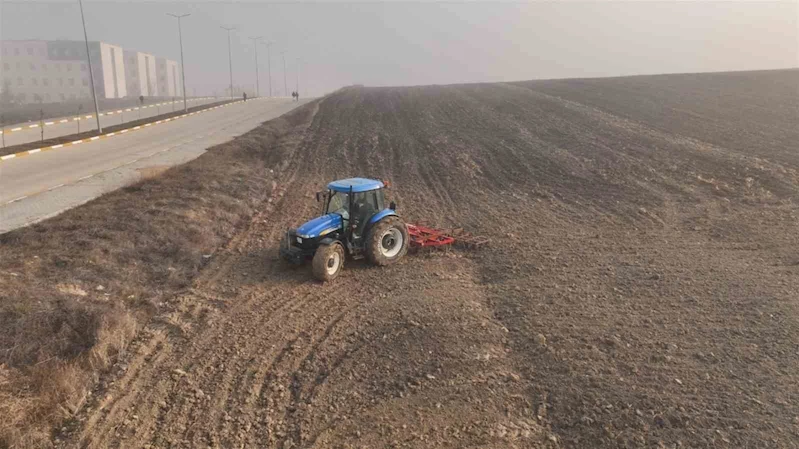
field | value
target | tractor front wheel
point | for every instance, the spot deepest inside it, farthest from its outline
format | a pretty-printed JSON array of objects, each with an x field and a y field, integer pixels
[
  {"x": 328, "y": 261},
  {"x": 387, "y": 241}
]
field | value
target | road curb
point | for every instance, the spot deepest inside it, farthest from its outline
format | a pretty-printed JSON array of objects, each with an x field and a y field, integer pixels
[
  {"x": 30, "y": 125},
  {"x": 115, "y": 133}
]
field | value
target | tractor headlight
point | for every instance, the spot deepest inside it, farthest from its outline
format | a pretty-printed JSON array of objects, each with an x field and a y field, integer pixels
[{"x": 299, "y": 240}]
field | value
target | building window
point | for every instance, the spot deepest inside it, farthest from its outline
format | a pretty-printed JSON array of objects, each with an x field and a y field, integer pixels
[
  {"x": 23, "y": 97},
  {"x": 33, "y": 66},
  {"x": 72, "y": 81},
  {"x": 16, "y": 52},
  {"x": 41, "y": 52},
  {"x": 47, "y": 97},
  {"x": 6, "y": 66},
  {"x": 85, "y": 82},
  {"x": 19, "y": 81},
  {"x": 69, "y": 67},
  {"x": 34, "y": 81},
  {"x": 60, "y": 82},
  {"x": 30, "y": 52},
  {"x": 58, "y": 67},
  {"x": 83, "y": 67},
  {"x": 62, "y": 97},
  {"x": 45, "y": 82}
]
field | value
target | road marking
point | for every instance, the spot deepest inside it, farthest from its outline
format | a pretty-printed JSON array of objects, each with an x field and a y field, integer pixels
[
  {"x": 26, "y": 153},
  {"x": 158, "y": 122},
  {"x": 55, "y": 187},
  {"x": 15, "y": 129},
  {"x": 85, "y": 177},
  {"x": 88, "y": 116},
  {"x": 33, "y": 126},
  {"x": 17, "y": 199},
  {"x": 50, "y": 123}
]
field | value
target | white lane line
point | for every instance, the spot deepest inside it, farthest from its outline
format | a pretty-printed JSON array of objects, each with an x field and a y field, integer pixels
[
  {"x": 136, "y": 127},
  {"x": 33, "y": 126},
  {"x": 102, "y": 114},
  {"x": 49, "y": 123},
  {"x": 17, "y": 199},
  {"x": 15, "y": 129},
  {"x": 57, "y": 146},
  {"x": 124, "y": 131},
  {"x": 111, "y": 134},
  {"x": 10, "y": 156},
  {"x": 34, "y": 151},
  {"x": 55, "y": 187},
  {"x": 77, "y": 142},
  {"x": 94, "y": 138},
  {"x": 85, "y": 177},
  {"x": 88, "y": 116},
  {"x": 147, "y": 124},
  {"x": 63, "y": 121}
]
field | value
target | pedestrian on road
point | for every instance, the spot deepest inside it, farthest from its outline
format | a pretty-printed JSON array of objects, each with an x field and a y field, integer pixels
[{"x": 245, "y": 97}]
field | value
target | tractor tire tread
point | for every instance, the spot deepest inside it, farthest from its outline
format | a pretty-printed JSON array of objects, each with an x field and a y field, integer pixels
[
  {"x": 320, "y": 258},
  {"x": 373, "y": 243}
]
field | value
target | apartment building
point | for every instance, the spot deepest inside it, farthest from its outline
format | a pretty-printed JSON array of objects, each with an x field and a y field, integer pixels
[{"x": 35, "y": 71}]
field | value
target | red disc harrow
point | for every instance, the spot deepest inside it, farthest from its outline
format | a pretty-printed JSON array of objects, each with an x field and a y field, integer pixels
[{"x": 424, "y": 236}]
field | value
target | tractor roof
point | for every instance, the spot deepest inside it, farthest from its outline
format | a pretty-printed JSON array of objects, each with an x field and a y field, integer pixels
[{"x": 357, "y": 184}]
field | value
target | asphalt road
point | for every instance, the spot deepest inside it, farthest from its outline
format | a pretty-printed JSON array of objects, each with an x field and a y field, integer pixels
[
  {"x": 44, "y": 184},
  {"x": 31, "y": 131}
]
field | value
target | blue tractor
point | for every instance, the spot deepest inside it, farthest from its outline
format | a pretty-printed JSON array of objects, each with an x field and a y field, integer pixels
[{"x": 355, "y": 222}]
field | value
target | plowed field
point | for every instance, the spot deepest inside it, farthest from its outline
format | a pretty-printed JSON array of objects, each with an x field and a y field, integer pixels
[{"x": 641, "y": 287}]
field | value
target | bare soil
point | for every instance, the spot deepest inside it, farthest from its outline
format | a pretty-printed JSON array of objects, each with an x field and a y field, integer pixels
[{"x": 640, "y": 289}]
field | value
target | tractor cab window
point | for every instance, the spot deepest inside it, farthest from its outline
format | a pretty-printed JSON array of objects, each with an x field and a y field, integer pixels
[
  {"x": 364, "y": 206},
  {"x": 338, "y": 204}
]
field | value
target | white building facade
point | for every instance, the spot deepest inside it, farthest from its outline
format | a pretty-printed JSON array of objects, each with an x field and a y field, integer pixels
[{"x": 36, "y": 71}]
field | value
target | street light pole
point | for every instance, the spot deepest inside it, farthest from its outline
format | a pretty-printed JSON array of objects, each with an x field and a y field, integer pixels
[
  {"x": 285, "y": 84},
  {"x": 269, "y": 65},
  {"x": 297, "y": 73},
  {"x": 229, "y": 56},
  {"x": 91, "y": 74},
  {"x": 182, "y": 67},
  {"x": 257, "y": 82}
]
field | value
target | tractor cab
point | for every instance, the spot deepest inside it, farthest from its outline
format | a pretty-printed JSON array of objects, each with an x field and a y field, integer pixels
[
  {"x": 358, "y": 202},
  {"x": 353, "y": 211}
]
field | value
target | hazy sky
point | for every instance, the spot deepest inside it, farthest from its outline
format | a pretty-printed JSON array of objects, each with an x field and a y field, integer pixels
[{"x": 421, "y": 42}]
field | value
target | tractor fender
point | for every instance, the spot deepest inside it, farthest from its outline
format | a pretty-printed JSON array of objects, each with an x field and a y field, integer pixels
[
  {"x": 381, "y": 215},
  {"x": 377, "y": 217},
  {"x": 328, "y": 241}
]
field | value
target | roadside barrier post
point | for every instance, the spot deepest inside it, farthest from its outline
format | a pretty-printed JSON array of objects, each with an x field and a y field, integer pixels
[{"x": 41, "y": 122}]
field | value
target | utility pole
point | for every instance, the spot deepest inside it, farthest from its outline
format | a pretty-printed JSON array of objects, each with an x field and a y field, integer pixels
[
  {"x": 91, "y": 73},
  {"x": 269, "y": 65},
  {"x": 182, "y": 67},
  {"x": 229, "y": 56},
  {"x": 257, "y": 83},
  {"x": 297, "y": 73},
  {"x": 285, "y": 84}
]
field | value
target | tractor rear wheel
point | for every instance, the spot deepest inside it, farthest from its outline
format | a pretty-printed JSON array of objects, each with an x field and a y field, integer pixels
[
  {"x": 387, "y": 241},
  {"x": 328, "y": 261}
]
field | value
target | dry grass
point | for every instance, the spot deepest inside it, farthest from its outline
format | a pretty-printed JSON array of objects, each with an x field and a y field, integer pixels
[{"x": 74, "y": 289}]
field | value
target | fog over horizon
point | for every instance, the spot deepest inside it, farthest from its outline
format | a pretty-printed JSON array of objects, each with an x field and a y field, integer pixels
[{"x": 422, "y": 43}]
